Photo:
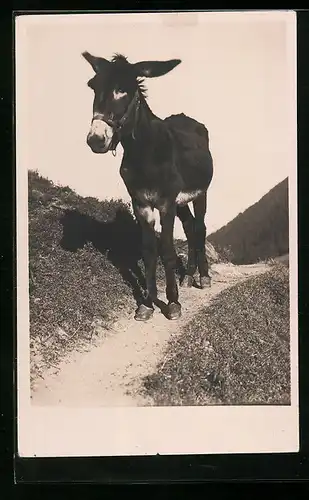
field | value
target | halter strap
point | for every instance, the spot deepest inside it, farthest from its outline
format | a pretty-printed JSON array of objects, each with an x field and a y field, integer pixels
[
  {"x": 135, "y": 102},
  {"x": 120, "y": 124}
]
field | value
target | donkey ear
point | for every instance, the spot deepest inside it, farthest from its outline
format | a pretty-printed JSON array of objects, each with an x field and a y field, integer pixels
[
  {"x": 98, "y": 63},
  {"x": 151, "y": 69}
]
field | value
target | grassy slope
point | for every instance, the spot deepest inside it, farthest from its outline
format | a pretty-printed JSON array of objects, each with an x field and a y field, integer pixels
[
  {"x": 72, "y": 293},
  {"x": 235, "y": 352}
]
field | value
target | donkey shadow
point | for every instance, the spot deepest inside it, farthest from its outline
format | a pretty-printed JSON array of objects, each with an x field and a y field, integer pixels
[{"x": 119, "y": 239}]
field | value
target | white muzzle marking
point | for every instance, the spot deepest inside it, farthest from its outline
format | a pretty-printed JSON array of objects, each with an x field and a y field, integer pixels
[{"x": 102, "y": 130}]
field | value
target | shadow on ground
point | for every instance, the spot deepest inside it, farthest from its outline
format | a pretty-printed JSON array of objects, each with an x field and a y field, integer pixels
[{"x": 119, "y": 239}]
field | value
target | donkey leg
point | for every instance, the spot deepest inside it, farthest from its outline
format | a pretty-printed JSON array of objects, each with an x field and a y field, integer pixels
[
  {"x": 145, "y": 216},
  {"x": 187, "y": 219},
  {"x": 169, "y": 258},
  {"x": 200, "y": 205}
]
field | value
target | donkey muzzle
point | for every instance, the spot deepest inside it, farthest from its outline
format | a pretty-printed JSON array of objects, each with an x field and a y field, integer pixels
[{"x": 100, "y": 136}]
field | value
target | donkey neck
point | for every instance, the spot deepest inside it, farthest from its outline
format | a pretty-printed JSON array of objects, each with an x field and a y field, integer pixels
[{"x": 139, "y": 134}]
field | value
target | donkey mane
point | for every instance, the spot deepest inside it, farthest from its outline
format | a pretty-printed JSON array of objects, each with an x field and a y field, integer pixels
[
  {"x": 119, "y": 58},
  {"x": 122, "y": 62}
]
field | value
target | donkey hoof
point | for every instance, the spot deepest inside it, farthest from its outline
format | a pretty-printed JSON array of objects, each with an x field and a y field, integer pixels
[
  {"x": 205, "y": 281},
  {"x": 173, "y": 311},
  {"x": 143, "y": 313},
  {"x": 187, "y": 281}
]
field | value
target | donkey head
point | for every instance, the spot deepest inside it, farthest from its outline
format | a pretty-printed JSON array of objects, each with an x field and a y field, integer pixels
[{"x": 117, "y": 90}]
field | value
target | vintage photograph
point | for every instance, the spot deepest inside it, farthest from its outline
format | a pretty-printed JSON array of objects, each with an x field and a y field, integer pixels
[{"x": 156, "y": 201}]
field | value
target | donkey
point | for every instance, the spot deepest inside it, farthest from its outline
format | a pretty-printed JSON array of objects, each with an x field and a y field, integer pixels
[{"x": 166, "y": 164}]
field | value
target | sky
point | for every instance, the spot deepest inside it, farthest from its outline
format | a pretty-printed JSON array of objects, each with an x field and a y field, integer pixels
[{"x": 235, "y": 77}]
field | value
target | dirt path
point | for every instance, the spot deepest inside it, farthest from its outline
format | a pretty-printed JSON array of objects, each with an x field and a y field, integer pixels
[{"x": 109, "y": 373}]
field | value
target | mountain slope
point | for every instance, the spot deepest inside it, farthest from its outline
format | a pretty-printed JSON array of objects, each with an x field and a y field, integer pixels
[{"x": 260, "y": 232}]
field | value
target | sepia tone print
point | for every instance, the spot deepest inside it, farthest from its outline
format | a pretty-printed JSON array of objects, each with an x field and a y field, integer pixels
[{"x": 161, "y": 212}]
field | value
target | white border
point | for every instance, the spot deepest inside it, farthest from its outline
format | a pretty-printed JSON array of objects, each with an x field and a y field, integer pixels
[{"x": 50, "y": 431}]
